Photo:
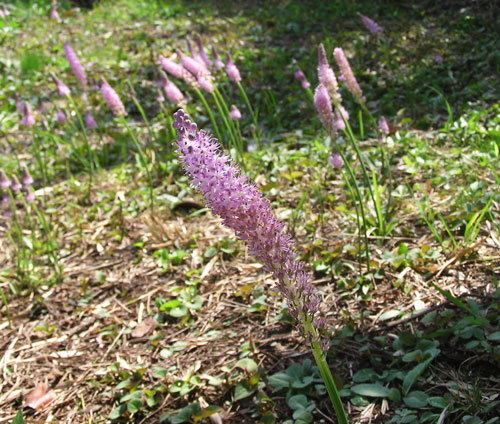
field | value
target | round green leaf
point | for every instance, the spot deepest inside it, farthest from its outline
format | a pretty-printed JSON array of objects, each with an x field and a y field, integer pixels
[
  {"x": 371, "y": 390},
  {"x": 416, "y": 399}
]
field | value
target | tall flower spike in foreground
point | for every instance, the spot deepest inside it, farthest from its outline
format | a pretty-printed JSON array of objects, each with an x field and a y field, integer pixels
[
  {"x": 232, "y": 70},
  {"x": 112, "y": 99},
  {"x": 346, "y": 70},
  {"x": 76, "y": 65},
  {"x": 242, "y": 208},
  {"x": 326, "y": 75}
]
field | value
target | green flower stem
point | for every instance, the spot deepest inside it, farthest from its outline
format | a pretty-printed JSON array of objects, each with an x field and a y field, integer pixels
[
  {"x": 221, "y": 104},
  {"x": 226, "y": 116},
  {"x": 352, "y": 139},
  {"x": 87, "y": 146},
  {"x": 152, "y": 134},
  {"x": 210, "y": 113},
  {"x": 48, "y": 233},
  {"x": 356, "y": 209},
  {"x": 326, "y": 374},
  {"x": 6, "y": 304},
  {"x": 331, "y": 387},
  {"x": 360, "y": 200},
  {"x": 20, "y": 248},
  {"x": 254, "y": 118},
  {"x": 143, "y": 160},
  {"x": 41, "y": 162}
]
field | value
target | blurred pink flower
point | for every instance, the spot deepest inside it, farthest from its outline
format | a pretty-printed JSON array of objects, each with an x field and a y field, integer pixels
[
  {"x": 194, "y": 53},
  {"x": 30, "y": 195},
  {"x": 16, "y": 185},
  {"x": 383, "y": 125},
  {"x": 302, "y": 78},
  {"x": 192, "y": 65},
  {"x": 61, "y": 117},
  {"x": 336, "y": 159},
  {"x": 350, "y": 79},
  {"x": 4, "y": 181},
  {"x": 171, "y": 90},
  {"x": 219, "y": 64},
  {"x": 90, "y": 121},
  {"x": 323, "y": 104},
  {"x": 26, "y": 178},
  {"x": 232, "y": 70},
  {"x": 204, "y": 56},
  {"x": 61, "y": 87},
  {"x": 327, "y": 76},
  {"x": 112, "y": 99},
  {"x": 235, "y": 113},
  {"x": 28, "y": 119},
  {"x": 439, "y": 58},
  {"x": 54, "y": 14},
  {"x": 206, "y": 84},
  {"x": 75, "y": 64},
  {"x": 371, "y": 25}
]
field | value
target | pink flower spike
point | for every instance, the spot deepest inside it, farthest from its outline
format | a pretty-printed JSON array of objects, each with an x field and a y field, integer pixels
[
  {"x": 204, "y": 56},
  {"x": 194, "y": 53},
  {"x": 242, "y": 207},
  {"x": 219, "y": 64},
  {"x": 206, "y": 84},
  {"x": 75, "y": 64},
  {"x": 26, "y": 178},
  {"x": 192, "y": 65},
  {"x": 232, "y": 70},
  {"x": 383, "y": 126},
  {"x": 336, "y": 159},
  {"x": 346, "y": 70},
  {"x": 5, "y": 11},
  {"x": 4, "y": 181},
  {"x": 61, "y": 117},
  {"x": 171, "y": 67},
  {"x": 28, "y": 119},
  {"x": 302, "y": 78},
  {"x": 90, "y": 122},
  {"x": 323, "y": 104},
  {"x": 16, "y": 185},
  {"x": 235, "y": 113},
  {"x": 112, "y": 99},
  {"x": 54, "y": 14},
  {"x": 19, "y": 104},
  {"x": 62, "y": 88},
  {"x": 371, "y": 25},
  {"x": 171, "y": 90},
  {"x": 326, "y": 75},
  {"x": 30, "y": 195}
]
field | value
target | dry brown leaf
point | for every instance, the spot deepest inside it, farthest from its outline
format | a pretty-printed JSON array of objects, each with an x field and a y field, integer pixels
[
  {"x": 144, "y": 328},
  {"x": 40, "y": 396}
]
